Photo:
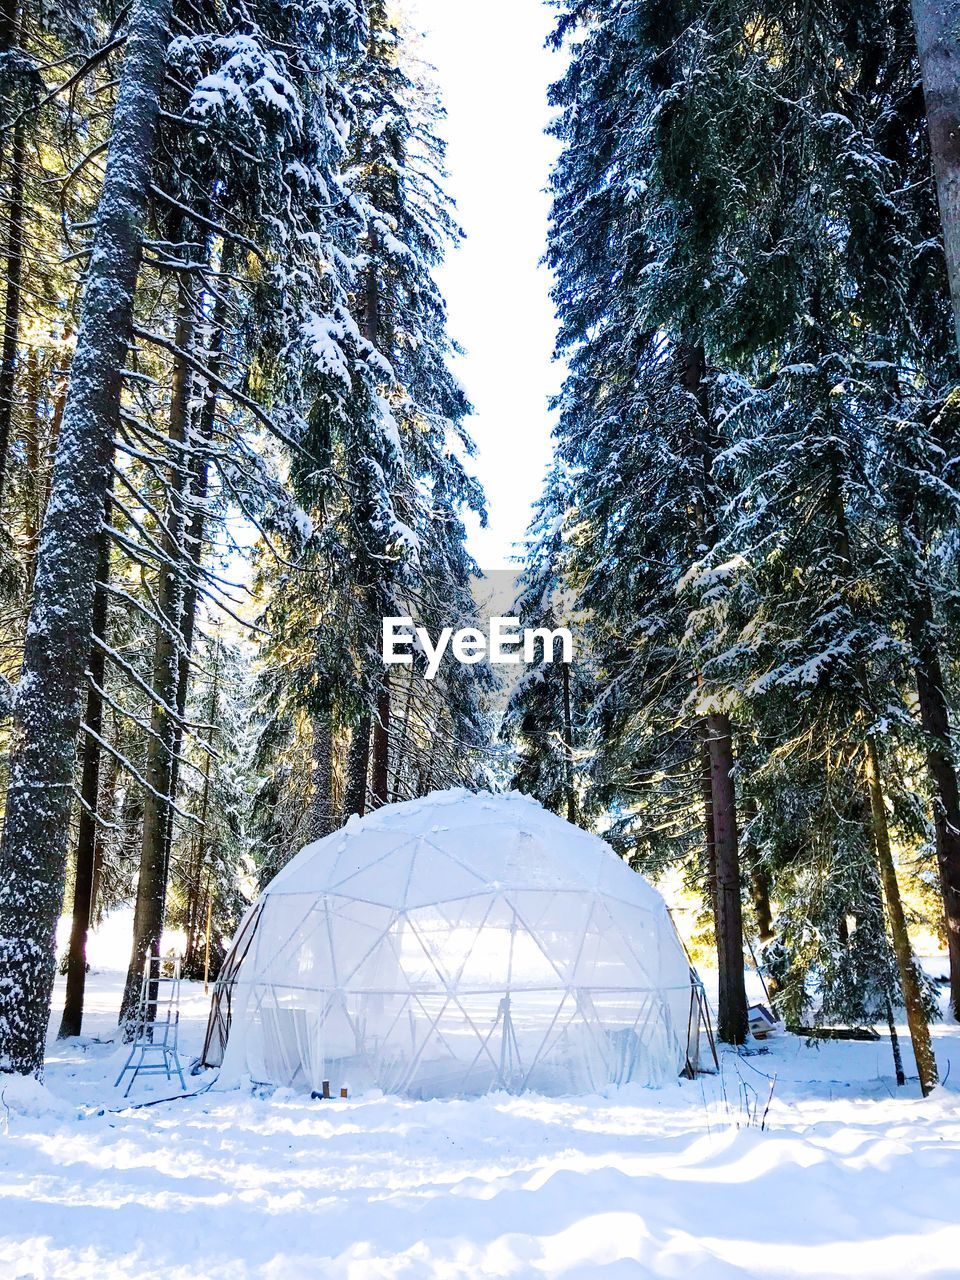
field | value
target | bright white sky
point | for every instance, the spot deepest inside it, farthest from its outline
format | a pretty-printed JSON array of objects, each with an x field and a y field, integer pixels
[{"x": 493, "y": 72}]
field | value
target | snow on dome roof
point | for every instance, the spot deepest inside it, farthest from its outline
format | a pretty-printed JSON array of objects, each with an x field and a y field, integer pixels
[{"x": 454, "y": 844}]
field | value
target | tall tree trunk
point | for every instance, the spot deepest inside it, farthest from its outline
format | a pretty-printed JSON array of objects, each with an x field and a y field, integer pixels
[
  {"x": 195, "y": 873},
  {"x": 195, "y": 879},
  {"x": 937, "y": 26},
  {"x": 568, "y": 777},
  {"x": 943, "y": 775},
  {"x": 402, "y": 739},
  {"x": 12, "y": 302},
  {"x": 909, "y": 981},
  {"x": 207, "y": 934},
  {"x": 196, "y": 479},
  {"x": 709, "y": 834},
  {"x": 321, "y": 806},
  {"x": 732, "y": 1026},
  {"x": 379, "y": 782},
  {"x": 33, "y": 466},
  {"x": 760, "y": 892},
  {"x": 898, "y": 1070},
  {"x": 371, "y": 293},
  {"x": 200, "y": 861},
  {"x": 874, "y": 900},
  {"x": 47, "y": 720},
  {"x": 358, "y": 766},
  {"x": 193, "y": 545},
  {"x": 759, "y": 875},
  {"x": 106, "y": 807},
  {"x": 72, "y": 1021},
  {"x": 45, "y": 475},
  {"x": 759, "y": 878},
  {"x": 160, "y": 769}
]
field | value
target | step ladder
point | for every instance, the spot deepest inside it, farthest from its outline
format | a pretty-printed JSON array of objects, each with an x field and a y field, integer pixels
[{"x": 156, "y": 1024}]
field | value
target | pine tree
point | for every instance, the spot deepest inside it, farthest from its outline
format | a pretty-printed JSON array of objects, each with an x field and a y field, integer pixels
[
  {"x": 276, "y": 156},
  {"x": 543, "y": 718},
  {"x": 802, "y": 579},
  {"x": 33, "y": 850},
  {"x": 286, "y": 214},
  {"x": 638, "y": 427},
  {"x": 397, "y": 174},
  {"x": 378, "y": 531}
]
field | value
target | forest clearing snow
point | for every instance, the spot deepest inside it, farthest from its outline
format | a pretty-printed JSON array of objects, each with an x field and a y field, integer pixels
[{"x": 849, "y": 1177}]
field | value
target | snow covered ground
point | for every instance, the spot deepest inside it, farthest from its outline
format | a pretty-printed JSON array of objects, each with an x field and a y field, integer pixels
[{"x": 850, "y": 1177}]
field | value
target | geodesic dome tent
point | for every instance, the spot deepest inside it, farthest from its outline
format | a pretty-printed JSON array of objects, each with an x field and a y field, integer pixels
[{"x": 453, "y": 945}]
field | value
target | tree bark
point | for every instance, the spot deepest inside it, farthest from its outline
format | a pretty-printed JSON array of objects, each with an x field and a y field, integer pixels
[
  {"x": 760, "y": 892},
  {"x": 379, "y": 783},
  {"x": 356, "y": 797},
  {"x": 197, "y": 479},
  {"x": 358, "y": 765},
  {"x": 33, "y": 466},
  {"x": 47, "y": 720},
  {"x": 193, "y": 544},
  {"x": 195, "y": 886},
  {"x": 709, "y": 834},
  {"x": 937, "y": 26},
  {"x": 106, "y": 808},
  {"x": 934, "y": 717},
  {"x": 732, "y": 1025},
  {"x": 898, "y": 1070},
  {"x": 193, "y": 909},
  {"x": 371, "y": 291},
  {"x": 71, "y": 1023},
  {"x": 403, "y": 739},
  {"x": 160, "y": 769},
  {"x": 321, "y": 805},
  {"x": 45, "y": 477},
  {"x": 909, "y": 981},
  {"x": 759, "y": 879},
  {"x": 568, "y": 777},
  {"x": 11, "y": 306}
]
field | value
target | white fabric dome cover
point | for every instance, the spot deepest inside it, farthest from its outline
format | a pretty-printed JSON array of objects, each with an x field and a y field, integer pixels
[{"x": 449, "y": 946}]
